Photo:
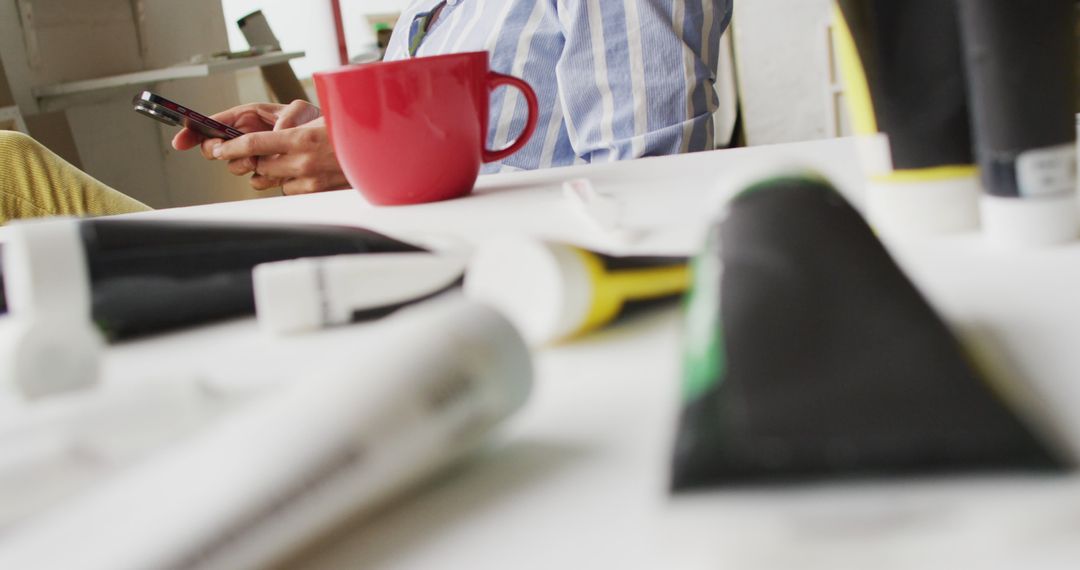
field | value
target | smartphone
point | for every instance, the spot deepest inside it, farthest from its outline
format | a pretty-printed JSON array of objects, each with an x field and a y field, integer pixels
[{"x": 175, "y": 115}]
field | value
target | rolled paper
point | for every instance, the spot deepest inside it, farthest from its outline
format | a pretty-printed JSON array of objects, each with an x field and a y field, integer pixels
[{"x": 289, "y": 466}]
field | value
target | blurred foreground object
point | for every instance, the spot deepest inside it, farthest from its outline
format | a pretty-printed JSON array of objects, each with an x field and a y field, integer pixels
[
  {"x": 809, "y": 354},
  {"x": 276, "y": 474},
  {"x": 48, "y": 343},
  {"x": 305, "y": 295}
]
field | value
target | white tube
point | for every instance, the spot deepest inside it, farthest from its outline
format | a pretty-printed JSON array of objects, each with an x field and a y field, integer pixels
[
  {"x": 304, "y": 295},
  {"x": 273, "y": 476},
  {"x": 48, "y": 341}
]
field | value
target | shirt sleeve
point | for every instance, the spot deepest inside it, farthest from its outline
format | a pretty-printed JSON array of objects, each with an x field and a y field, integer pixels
[{"x": 636, "y": 78}]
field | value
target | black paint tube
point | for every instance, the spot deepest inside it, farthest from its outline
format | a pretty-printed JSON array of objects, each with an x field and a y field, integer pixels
[
  {"x": 902, "y": 66},
  {"x": 809, "y": 355},
  {"x": 149, "y": 276},
  {"x": 1021, "y": 64}
]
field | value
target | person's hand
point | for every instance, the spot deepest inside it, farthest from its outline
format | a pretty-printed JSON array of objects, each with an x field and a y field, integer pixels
[{"x": 285, "y": 145}]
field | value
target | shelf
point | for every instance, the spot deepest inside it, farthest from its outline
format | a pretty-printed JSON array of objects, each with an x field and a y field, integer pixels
[{"x": 62, "y": 95}]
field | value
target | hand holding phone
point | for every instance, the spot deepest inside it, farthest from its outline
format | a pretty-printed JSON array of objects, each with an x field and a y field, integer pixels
[
  {"x": 283, "y": 146},
  {"x": 173, "y": 114}
]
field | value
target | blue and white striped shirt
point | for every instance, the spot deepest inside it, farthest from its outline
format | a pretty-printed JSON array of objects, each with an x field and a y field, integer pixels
[{"x": 615, "y": 79}]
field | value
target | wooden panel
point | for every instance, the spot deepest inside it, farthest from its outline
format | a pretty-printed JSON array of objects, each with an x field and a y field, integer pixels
[
  {"x": 11, "y": 120},
  {"x": 54, "y": 131},
  {"x": 68, "y": 40},
  {"x": 176, "y": 31},
  {"x": 6, "y": 98}
]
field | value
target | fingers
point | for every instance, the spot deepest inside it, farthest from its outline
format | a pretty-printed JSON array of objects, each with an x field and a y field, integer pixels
[
  {"x": 302, "y": 174},
  {"x": 207, "y": 148},
  {"x": 242, "y": 166},
  {"x": 186, "y": 139},
  {"x": 295, "y": 114},
  {"x": 266, "y": 112},
  {"x": 252, "y": 117},
  {"x": 263, "y": 144},
  {"x": 261, "y": 183},
  {"x": 290, "y": 166},
  {"x": 311, "y": 185}
]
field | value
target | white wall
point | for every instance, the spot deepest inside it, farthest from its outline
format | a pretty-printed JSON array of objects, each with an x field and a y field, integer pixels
[
  {"x": 357, "y": 34},
  {"x": 309, "y": 26},
  {"x": 788, "y": 86},
  {"x": 299, "y": 25}
]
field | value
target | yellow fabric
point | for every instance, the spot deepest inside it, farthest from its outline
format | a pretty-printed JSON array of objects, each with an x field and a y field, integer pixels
[{"x": 35, "y": 182}]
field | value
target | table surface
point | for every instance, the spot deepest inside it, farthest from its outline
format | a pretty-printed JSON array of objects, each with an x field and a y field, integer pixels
[{"x": 578, "y": 478}]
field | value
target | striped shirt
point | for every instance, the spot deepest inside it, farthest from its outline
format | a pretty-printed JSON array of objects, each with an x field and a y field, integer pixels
[{"x": 615, "y": 79}]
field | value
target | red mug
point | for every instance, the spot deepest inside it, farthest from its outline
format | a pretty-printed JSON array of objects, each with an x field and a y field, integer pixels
[{"x": 415, "y": 130}]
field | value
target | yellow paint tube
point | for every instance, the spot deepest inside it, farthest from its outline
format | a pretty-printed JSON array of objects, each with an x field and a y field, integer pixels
[
  {"x": 903, "y": 72},
  {"x": 554, "y": 291}
]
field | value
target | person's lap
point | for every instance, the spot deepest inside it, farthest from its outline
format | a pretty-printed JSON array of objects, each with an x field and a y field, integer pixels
[{"x": 35, "y": 182}]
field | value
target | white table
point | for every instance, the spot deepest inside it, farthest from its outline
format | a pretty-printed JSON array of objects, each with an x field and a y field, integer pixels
[{"x": 578, "y": 478}]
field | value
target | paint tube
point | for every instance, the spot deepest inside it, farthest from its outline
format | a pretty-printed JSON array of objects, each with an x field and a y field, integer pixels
[
  {"x": 148, "y": 276},
  {"x": 903, "y": 73},
  {"x": 555, "y": 291},
  {"x": 1021, "y": 61},
  {"x": 291, "y": 465},
  {"x": 308, "y": 294},
  {"x": 48, "y": 344},
  {"x": 809, "y": 354}
]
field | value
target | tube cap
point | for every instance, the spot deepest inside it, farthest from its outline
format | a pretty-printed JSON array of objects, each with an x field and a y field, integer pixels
[
  {"x": 312, "y": 293},
  {"x": 924, "y": 207},
  {"x": 288, "y": 296},
  {"x": 543, "y": 288},
  {"x": 48, "y": 343},
  {"x": 1031, "y": 222}
]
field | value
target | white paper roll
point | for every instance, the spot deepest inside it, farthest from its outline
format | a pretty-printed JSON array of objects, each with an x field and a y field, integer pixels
[{"x": 292, "y": 464}]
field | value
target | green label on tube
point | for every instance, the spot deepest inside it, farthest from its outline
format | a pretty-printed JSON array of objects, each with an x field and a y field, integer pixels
[{"x": 704, "y": 360}]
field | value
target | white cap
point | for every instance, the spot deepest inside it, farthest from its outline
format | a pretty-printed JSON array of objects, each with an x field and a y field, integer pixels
[
  {"x": 543, "y": 288},
  {"x": 49, "y": 343},
  {"x": 1031, "y": 222},
  {"x": 308, "y": 294},
  {"x": 923, "y": 208},
  {"x": 288, "y": 296}
]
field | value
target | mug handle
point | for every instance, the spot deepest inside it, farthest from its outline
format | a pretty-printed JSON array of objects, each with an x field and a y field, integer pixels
[{"x": 496, "y": 80}]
